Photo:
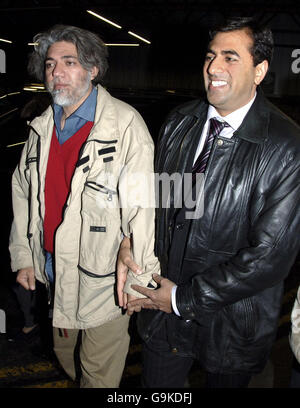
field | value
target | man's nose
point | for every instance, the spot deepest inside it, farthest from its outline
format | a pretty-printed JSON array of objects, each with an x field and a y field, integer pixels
[
  {"x": 215, "y": 66},
  {"x": 58, "y": 70}
]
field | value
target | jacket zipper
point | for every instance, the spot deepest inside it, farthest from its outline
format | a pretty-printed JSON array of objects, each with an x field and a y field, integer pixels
[
  {"x": 182, "y": 142},
  {"x": 38, "y": 157},
  {"x": 101, "y": 188}
]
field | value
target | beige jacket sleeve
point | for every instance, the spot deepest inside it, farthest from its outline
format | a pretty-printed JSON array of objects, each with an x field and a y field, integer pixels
[
  {"x": 295, "y": 332},
  {"x": 20, "y": 252},
  {"x": 137, "y": 201}
]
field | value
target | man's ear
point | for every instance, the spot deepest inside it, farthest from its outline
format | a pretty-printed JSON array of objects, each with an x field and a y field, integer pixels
[
  {"x": 94, "y": 72},
  {"x": 260, "y": 71}
]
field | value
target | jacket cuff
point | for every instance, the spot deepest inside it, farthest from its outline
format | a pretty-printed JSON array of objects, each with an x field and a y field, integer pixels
[
  {"x": 17, "y": 264},
  {"x": 184, "y": 298},
  {"x": 141, "y": 280}
]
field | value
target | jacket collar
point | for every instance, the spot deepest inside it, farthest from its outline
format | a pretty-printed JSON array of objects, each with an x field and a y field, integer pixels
[
  {"x": 43, "y": 124},
  {"x": 254, "y": 127}
]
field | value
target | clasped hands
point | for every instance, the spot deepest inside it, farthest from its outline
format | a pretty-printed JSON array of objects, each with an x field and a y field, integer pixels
[{"x": 158, "y": 299}]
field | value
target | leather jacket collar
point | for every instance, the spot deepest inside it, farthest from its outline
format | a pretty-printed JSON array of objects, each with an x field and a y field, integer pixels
[{"x": 254, "y": 126}]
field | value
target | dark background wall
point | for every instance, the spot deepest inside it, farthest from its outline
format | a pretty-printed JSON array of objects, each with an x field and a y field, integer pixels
[{"x": 177, "y": 30}]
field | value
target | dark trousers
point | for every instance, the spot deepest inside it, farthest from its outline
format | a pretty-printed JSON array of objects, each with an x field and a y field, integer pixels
[
  {"x": 27, "y": 303},
  {"x": 163, "y": 368},
  {"x": 295, "y": 374}
]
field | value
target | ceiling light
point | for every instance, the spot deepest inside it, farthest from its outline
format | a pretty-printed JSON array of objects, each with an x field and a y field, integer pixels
[
  {"x": 137, "y": 36},
  {"x": 9, "y": 94},
  {"x": 104, "y": 19},
  {"x": 16, "y": 144},
  {"x": 29, "y": 89},
  {"x": 34, "y": 87},
  {"x": 7, "y": 113},
  {"x": 35, "y": 43},
  {"x": 122, "y": 45},
  {"x": 1, "y": 39}
]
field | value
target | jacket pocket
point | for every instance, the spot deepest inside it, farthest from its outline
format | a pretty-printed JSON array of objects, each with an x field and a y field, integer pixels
[
  {"x": 242, "y": 315},
  {"x": 96, "y": 298},
  {"x": 31, "y": 166},
  {"x": 105, "y": 196},
  {"x": 100, "y": 232}
]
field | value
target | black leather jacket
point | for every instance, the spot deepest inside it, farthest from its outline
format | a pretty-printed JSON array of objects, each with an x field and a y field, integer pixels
[{"x": 230, "y": 264}]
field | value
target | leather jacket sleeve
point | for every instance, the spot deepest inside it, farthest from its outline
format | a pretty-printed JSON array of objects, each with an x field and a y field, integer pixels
[{"x": 273, "y": 246}]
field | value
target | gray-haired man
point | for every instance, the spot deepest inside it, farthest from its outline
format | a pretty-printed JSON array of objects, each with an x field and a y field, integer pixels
[{"x": 68, "y": 224}]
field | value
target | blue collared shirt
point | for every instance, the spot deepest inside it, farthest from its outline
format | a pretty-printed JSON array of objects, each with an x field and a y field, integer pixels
[{"x": 85, "y": 113}]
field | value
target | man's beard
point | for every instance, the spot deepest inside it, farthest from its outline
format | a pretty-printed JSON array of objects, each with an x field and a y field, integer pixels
[{"x": 62, "y": 97}]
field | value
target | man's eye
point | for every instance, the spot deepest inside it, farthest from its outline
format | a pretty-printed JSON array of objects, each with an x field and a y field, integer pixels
[
  {"x": 209, "y": 58},
  {"x": 70, "y": 63},
  {"x": 49, "y": 65},
  {"x": 230, "y": 59}
]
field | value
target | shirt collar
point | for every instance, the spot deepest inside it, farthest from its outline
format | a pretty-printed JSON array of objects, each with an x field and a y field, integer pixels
[
  {"x": 235, "y": 118},
  {"x": 85, "y": 111}
]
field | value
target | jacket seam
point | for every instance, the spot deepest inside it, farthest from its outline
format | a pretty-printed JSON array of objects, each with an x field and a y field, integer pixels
[{"x": 94, "y": 275}]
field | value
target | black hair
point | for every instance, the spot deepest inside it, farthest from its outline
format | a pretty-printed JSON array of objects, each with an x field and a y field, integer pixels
[{"x": 263, "y": 43}]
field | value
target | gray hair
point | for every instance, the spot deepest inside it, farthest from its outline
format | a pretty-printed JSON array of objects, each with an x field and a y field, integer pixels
[{"x": 90, "y": 48}]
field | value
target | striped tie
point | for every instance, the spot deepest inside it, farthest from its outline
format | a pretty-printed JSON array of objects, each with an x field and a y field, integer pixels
[{"x": 215, "y": 129}]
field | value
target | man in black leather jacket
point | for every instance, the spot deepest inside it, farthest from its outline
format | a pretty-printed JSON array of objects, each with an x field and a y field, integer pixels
[{"x": 222, "y": 274}]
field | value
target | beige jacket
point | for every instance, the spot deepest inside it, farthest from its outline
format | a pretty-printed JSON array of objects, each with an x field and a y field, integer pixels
[
  {"x": 106, "y": 200},
  {"x": 295, "y": 332}
]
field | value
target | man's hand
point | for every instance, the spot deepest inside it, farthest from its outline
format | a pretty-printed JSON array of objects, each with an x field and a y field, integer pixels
[
  {"x": 159, "y": 299},
  {"x": 26, "y": 278},
  {"x": 125, "y": 261}
]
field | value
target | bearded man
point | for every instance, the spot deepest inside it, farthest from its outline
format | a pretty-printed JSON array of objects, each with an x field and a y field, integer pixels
[{"x": 66, "y": 190}]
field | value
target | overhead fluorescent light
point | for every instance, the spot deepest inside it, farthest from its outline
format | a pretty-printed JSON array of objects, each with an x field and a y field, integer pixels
[
  {"x": 104, "y": 19},
  {"x": 7, "y": 113},
  {"x": 34, "y": 87},
  {"x": 35, "y": 43},
  {"x": 30, "y": 89},
  {"x": 122, "y": 45},
  {"x": 1, "y": 39},
  {"x": 9, "y": 94},
  {"x": 15, "y": 144},
  {"x": 37, "y": 86},
  {"x": 138, "y": 36}
]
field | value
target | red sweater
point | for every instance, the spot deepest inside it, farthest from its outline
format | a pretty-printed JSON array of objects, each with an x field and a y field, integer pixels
[{"x": 60, "y": 168}]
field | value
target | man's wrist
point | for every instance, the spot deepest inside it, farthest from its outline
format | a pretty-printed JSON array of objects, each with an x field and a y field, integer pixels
[{"x": 173, "y": 300}]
